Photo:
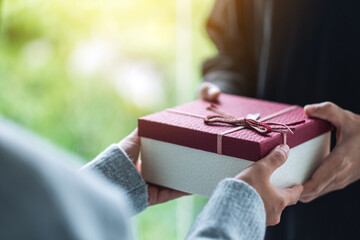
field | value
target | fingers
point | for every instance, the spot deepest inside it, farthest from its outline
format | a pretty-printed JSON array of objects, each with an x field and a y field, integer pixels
[
  {"x": 153, "y": 193},
  {"x": 134, "y": 137},
  {"x": 338, "y": 181},
  {"x": 131, "y": 145},
  {"x": 266, "y": 166},
  {"x": 275, "y": 206},
  {"x": 333, "y": 186},
  {"x": 132, "y": 141},
  {"x": 322, "y": 177},
  {"x": 159, "y": 194},
  {"x": 292, "y": 195},
  {"x": 327, "y": 111},
  {"x": 209, "y": 92},
  {"x": 275, "y": 158}
]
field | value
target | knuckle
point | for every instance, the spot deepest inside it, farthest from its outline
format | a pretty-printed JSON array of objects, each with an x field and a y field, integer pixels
[
  {"x": 340, "y": 183},
  {"x": 277, "y": 220},
  {"x": 346, "y": 162},
  {"x": 294, "y": 200},
  {"x": 351, "y": 123},
  {"x": 271, "y": 221},
  {"x": 282, "y": 204},
  {"x": 274, "y": 220},
  {"x": 315, "y": 189},
  {"x": 328, "y": 106},
  {"x": 338, "y": 161},
  {"x": 343, "y": 163}
]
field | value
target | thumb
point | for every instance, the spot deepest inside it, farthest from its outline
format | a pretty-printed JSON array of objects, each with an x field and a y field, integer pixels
[
  {"x": 134, "y": 137},
  {"x": 275, "y": 158},
  {"x": 131, "y": 145},
  {"x": 209, "y": 92},
  {"x": 326, "y": 111}
]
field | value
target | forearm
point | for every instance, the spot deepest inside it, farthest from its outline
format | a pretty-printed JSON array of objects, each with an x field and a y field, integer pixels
[
  {"x": 114, "y": 165},
  {"x": 234, "y": 211}
]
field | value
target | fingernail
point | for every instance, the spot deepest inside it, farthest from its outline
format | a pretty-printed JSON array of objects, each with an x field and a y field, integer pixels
[{"x": 284, "y": 147}]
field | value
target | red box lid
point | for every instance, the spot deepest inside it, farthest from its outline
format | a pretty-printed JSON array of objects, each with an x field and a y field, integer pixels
[{"x": 190, "y": 131}]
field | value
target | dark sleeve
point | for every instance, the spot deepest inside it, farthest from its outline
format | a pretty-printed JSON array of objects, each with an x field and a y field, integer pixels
[{"x": 231, "y": 28}]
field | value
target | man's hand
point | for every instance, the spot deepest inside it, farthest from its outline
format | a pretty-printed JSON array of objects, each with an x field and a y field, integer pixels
[
  {"x": 209, "y": 92},
  {"x": 258, "y": 176},
  {"x": 342, "y": 166},
  {"x": 157, "y": 194}
]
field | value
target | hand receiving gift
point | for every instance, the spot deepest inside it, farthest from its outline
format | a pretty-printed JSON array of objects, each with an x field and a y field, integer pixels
[
  {"x": 342, "y": 166},
  {"x": 258, "y": 176},
  {"x": 157, "y": 194}
]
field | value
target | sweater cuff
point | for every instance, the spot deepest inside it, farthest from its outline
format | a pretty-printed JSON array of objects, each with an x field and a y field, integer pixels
[
  {"x": 245, "y": 208},
  {"x": 115, "y": 166},
  {"x": 234, "y": 211}
]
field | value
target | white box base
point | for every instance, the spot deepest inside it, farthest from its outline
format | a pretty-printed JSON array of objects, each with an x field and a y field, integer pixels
[{"x": 198, "y": 172}]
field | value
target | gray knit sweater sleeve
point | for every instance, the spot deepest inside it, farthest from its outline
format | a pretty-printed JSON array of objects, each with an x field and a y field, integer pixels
[
  {"x": 114, "y": 165},
  {"x": 234, "y": 211}
]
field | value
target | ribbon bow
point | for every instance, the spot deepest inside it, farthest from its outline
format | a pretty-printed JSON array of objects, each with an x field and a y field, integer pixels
[{"x": 222, "y": 118}]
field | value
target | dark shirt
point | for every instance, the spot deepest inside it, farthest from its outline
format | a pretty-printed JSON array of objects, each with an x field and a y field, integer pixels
[
  {"x": 296, "y": 52},
  {"x": 293, "y": 51}
]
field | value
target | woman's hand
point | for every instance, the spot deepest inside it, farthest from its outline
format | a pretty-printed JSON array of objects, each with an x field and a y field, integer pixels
[
  {"x": 258, "y": 176},
  {"x": 157, "y": 194}
]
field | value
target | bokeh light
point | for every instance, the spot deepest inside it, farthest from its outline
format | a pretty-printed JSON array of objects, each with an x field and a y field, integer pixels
[{"x": 82, "y": 72}]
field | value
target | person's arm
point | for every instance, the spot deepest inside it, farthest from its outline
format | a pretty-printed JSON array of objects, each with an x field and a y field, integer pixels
[
  {"x": 114, "y": 165},
  {"x": 240, "y": 208},
  {"x": 231, "y": 27},
  {"x": 119, "y": 164},
  {"x": 43, "y": 196},
  {"x": 234, "y": 211}
]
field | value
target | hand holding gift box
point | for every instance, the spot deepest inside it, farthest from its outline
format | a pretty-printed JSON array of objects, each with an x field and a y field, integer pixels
[
  {"x": 156, "y": 194},
  {"x": 257, "y": 176},
  {"x": 341, "y": 166},
  {"x": 183, "y": 152}
]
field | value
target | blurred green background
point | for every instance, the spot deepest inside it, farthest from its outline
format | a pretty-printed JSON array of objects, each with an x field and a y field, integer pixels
[{"x": 81, "y": 73}]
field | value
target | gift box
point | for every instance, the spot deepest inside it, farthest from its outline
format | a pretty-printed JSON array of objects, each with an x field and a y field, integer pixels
[{"x": 194, "y": 146}]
